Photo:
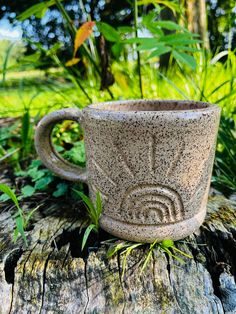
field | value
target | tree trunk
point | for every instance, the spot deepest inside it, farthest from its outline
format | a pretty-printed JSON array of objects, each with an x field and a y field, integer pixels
[
  {"x": 53, "y": 276},
  {"x": 197, "y": 19},
  {"x": 166, "y": 14}
]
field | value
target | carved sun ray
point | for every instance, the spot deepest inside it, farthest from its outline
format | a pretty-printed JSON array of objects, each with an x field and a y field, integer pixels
[
  {"x": 123, "y": 159},
  {"x": 103, "y": 172}
]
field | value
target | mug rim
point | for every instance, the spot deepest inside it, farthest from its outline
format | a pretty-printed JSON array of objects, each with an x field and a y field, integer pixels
[{"x": 99, "y": 107}]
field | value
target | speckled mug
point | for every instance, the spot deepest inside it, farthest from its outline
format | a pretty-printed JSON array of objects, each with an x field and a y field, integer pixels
[{"x": 151, "y": 160}]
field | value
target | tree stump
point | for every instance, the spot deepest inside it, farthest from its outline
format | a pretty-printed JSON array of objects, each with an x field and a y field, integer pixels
[{"x": 52, "y": 276}]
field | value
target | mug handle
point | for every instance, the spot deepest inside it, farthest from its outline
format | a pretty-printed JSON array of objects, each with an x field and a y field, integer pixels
[{"x": 47, "y": 153}]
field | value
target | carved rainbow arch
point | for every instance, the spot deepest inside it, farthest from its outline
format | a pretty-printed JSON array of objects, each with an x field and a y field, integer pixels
[{"x": 152, "y": 202}]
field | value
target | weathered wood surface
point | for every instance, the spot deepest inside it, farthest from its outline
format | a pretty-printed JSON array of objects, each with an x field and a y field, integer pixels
[{"x": 51, "y": 276}]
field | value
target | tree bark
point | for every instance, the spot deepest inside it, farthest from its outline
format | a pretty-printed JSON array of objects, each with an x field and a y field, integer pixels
[
  {"x": 197, "y": 19},
  {"x": 53, "y": 276}
]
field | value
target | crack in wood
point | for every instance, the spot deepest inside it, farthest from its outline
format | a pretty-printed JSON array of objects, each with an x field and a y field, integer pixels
[
  {"x": 44, "y": 280},
  {"x": 86, "y": 283}
]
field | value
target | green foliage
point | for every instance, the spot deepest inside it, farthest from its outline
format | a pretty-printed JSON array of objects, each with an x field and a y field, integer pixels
[
  {"x": 224, "y": 175},
  {"x": 93, "y": 212},
  {"x": 21, "y": 219},
  {"x": 180, "y": 43},
  {"x": 9, "y": 54},
  {"x": 38, "y": 10},
  {"x": 39, "y": 179},
  {"x": 26, "y": 134},
  {"x": 9, "y": 143},
  {"x": 68, "y": 140},
  {"x": 125, "y": 248},
  {"x": 108, "y": 32}
]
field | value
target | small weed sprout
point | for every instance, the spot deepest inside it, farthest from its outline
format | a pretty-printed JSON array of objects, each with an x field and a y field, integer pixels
[
  {"x": 21, "y": 219},
  {"x": 93, "y": 213},
  {"x": 125, "y": 248}
]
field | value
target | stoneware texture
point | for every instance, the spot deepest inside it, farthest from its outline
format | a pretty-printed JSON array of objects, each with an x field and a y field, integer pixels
[{"x": 151, "y": 161}]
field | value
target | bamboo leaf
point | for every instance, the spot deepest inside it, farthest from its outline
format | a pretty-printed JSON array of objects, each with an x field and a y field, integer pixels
[
  {"x": 108, "y": 32},
  {"x": 38, "y": 10},
  {"x": 168, "y": 25},
  {"x": 185, "y": 58},
  {"x": 180, "y": 39},
  {"x": 150, "y": 44},
  {"x": 159, "y": 51}
]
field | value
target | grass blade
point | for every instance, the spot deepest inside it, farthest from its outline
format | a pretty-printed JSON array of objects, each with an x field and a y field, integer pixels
[
  {"x": 5, "y": 189},
  {"x": 86, "y": 234}
]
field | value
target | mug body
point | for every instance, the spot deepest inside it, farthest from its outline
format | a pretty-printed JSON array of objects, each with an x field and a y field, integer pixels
[{"x": 151, "y": 161}]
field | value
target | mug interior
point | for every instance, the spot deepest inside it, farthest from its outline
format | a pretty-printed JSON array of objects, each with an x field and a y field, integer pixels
[{"x": 151, "y": 105}]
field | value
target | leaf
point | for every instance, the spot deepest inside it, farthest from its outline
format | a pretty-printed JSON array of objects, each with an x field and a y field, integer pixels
[
  {"x": 31, "y": 58},
  {"x": 72, "y": 62},
  {"x": 167, "y": 243},
  {"x": 4, "y": 197},
  {"x": 25, "y": 127},
  {"x": 116, "y": 49},
  {"x": 61, "y": 190},
  {"x": 30, "y": 214},
  {"x": 5, "y": 189},
  {"x": 125, "y": 29},
  {"x": 86, "y": 234},
  {"x": 42, "y": 183},
  {"x": 108, "y": 32},
  {"x": 98, "y": 204},
  {"x": 181, "y": 252},
  {"x": 36, "y": 163},
  {"x": 28, "y": 190},
  {"x": 159, "y": 51},
  {"x": 180, "y": 39},
  {"x": 185, "y": 58},
  {"x": 41, "y": 13},
  {"x": 149, "y": 43},
  {"x": 140, "y": 40},
  {"x": 174, "y": 85},
  {"x": 20, "y": 228},
  {"x": 76, "y": 154},
  {"x": 86, "y": 199},
  {"x": 35, "y": 174},
  {"x": 169, "y": 25},
  {"x": 38, "y": 10},
  {"x": 187, "y": 48},
  {"x": 113, "y": 249},
  {"x": 15, "y": 235},
  {"x": 82, "y": 34},
  {"x": 219, "y": 56}
]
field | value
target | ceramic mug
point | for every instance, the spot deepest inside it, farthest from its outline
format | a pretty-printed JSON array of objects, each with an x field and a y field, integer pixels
[{"x": 151, "y": 161}]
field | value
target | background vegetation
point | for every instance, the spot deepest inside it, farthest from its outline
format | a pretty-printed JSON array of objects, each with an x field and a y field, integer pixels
[{"x": 76, "y": 52}]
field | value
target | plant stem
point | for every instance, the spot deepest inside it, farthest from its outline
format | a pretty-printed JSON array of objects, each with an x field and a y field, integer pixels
[
  {"x": 73, "y": 33},
  {"x": 72, "y": 77},
  {"x": 138, "y": 53}
]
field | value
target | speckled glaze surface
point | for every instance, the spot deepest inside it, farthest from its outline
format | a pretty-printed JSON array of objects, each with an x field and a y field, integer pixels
[{"x": 151, "y": 160}]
